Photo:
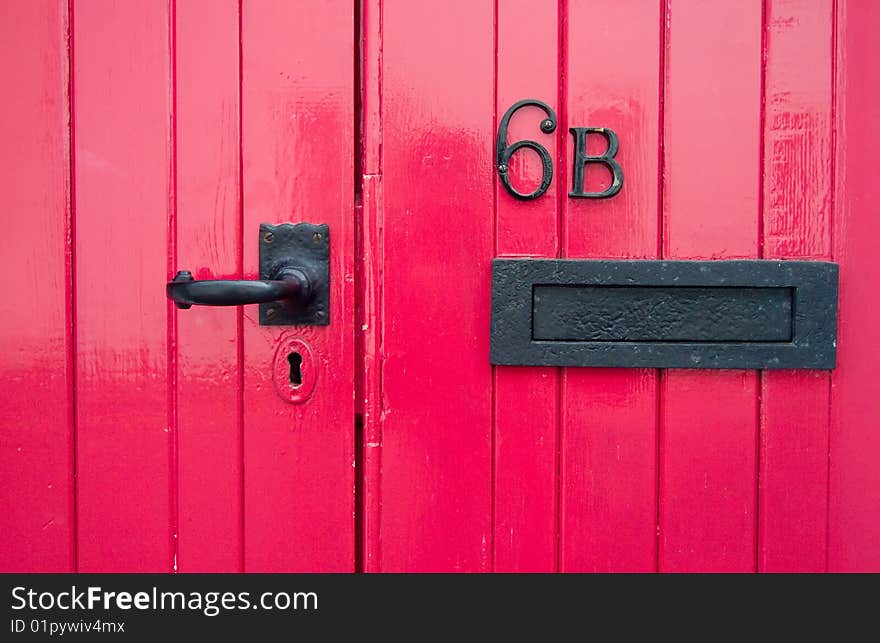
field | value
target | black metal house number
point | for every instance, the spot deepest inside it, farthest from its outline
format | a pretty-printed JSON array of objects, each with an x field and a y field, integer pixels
[{"x": 504, "y": 152}]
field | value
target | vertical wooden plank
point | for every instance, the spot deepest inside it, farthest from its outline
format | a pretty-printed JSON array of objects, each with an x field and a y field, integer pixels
[
  {"x": 708, "y": 435},
  {"x": 122, "y": 98},
  {"x": 854, "y": 503},
  {"x": 525, "y": 403},
  {"x": 438, "y": 163},
  {"x": 370, "y": 285},
  {"x": 797, "y": 129},
  {"x": 609, "y": 416},
  {"x": 208, "y": 244},
  {"x": 371, "y": 481},
  {"x": 298, "y": 164},
  {"x": 36, "y": 427},
  {"x": 793, "y": 477}
]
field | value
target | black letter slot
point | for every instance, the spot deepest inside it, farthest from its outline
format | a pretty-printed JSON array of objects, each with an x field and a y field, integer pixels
[
  {"x": 664, "y": 314},
  {"x": 661, "y": 314}
]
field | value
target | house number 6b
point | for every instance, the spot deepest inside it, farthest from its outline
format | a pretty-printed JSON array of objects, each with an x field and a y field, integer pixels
[{"x": 504, "y": 152}]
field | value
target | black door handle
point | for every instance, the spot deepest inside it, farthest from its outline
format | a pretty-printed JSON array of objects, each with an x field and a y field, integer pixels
[
  {"x": 290, "y": 284},
  {"x": 294, "y": 284}
]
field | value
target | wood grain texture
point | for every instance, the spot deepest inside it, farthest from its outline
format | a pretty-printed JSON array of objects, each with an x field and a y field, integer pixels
[
  {"x": 711, "y": 151},
  {"x": 438, "y": 141},
  {"x": 793, "y": 476},
  {"x": 298, "y": 165},
  {"x": 209, "y": 245},
  {"x": 609, "y": 416},
  {"x": 123, "y": 204},
  {"x": 854, "y": 478},
  {"x": 525, "y": 400},
  {"x": 371, "y": 328},
  {"x": 369, "y": 285},
  {"x": 37, "y": 521}
]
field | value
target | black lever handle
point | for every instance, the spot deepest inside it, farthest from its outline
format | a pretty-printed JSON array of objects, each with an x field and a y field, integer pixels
[
  {"x": 294, "y": 284},
  {"x": 289, "y": 284}
]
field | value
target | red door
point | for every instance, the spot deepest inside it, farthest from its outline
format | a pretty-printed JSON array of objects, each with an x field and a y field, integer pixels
[
  {"x": 154, "y": 136},
  {"x": 744, "y": 130},
  {"x": 146, "y": 137}
]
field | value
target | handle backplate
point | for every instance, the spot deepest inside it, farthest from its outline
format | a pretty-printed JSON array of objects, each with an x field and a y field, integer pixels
[{"x": 306, "y": 246}]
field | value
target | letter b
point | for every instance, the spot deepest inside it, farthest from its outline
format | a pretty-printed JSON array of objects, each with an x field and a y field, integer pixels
[{"x": 581, "y": 158}]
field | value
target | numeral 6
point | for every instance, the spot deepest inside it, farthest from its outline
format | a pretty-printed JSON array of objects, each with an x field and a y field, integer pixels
[{"x": 503, "y": 151}]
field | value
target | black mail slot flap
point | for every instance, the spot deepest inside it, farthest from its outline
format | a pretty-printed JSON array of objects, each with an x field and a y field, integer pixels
[
  {"x": 661, "y": 314},
  {"x": 664, "y": 314}
]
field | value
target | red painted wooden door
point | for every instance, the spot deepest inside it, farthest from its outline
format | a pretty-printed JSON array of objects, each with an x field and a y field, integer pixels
[
  {"x": 147, "y": 136},
  {"x": 744, "y": 133},
  {"x": 140, "y": 138}
]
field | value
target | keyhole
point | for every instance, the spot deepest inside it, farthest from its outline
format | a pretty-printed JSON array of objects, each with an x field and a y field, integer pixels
[{"x": 295, "y": 360}]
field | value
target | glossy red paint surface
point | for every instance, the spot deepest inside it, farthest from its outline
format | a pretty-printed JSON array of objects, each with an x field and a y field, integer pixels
[
  {"x": 438, "y": 182},
  {"x": 725, "y": 116},
  {"x": 190, "y": 123},
  {"x": 608, "y": 417},
  {"x": 854, "y": 478},
  {"x": 797, "y": 199},
  {"x": 525, "y": 437},
  {"x": 368, "y": 282},
  {"x": 122, "y": 210},
  {"x": 711, "y": 210},
  {"x": 209, "y": 242},
  {"x": 155, "y": 136},
  {"x": 297, "y": 105},
  {"x": 37, "y": 518}
]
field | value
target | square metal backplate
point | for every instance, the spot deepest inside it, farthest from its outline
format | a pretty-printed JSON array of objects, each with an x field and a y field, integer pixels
[{"x": 305, "y": 247}]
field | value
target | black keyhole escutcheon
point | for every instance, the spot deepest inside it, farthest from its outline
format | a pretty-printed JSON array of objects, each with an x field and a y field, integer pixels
[{"x": 295, "y": 361}]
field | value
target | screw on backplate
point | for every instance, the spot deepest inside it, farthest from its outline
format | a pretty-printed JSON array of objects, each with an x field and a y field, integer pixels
[
  {"x": 270, "y": 313},
  {"x": 320, "y": 314},
  {"x": 502, "y": 168},
  {"x": 268, "y": 237},
  {"x": 547, "y": 125},
  {"x": 317, "y": 237}
]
